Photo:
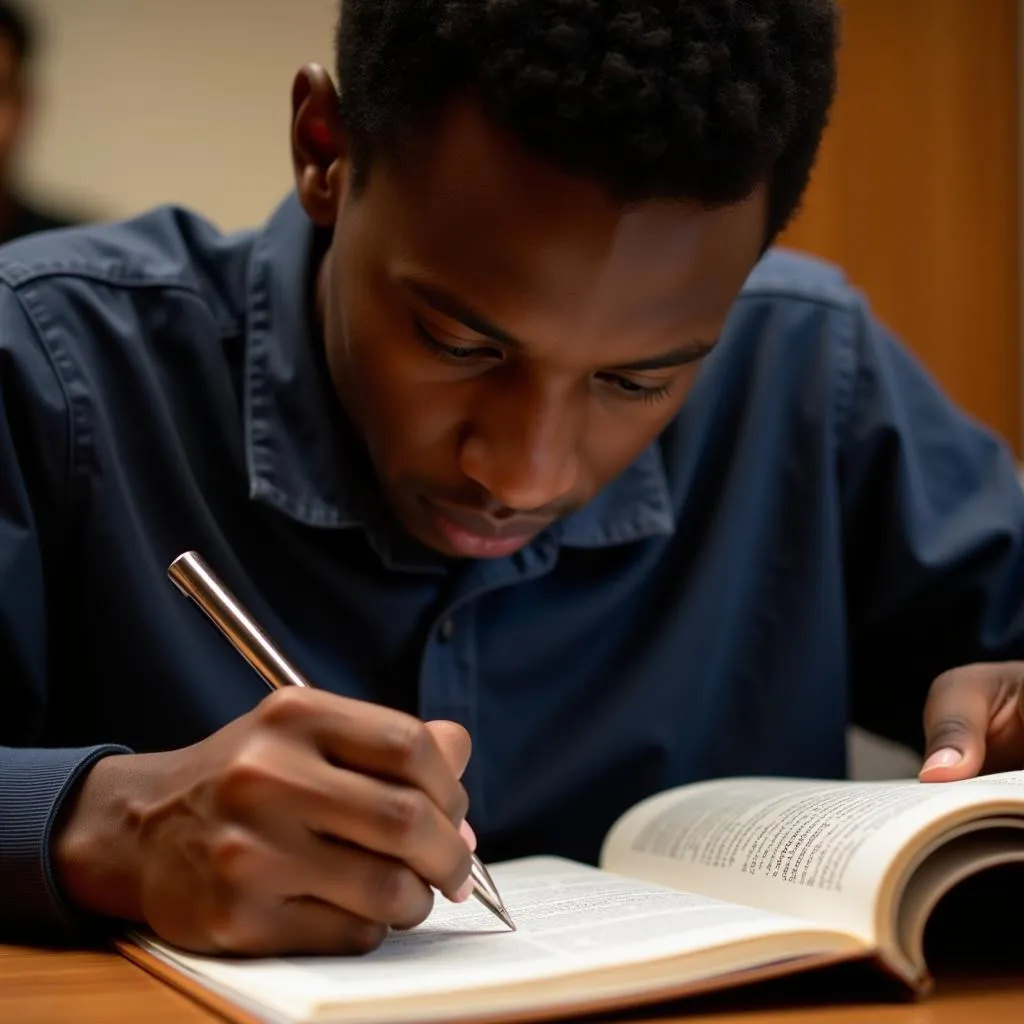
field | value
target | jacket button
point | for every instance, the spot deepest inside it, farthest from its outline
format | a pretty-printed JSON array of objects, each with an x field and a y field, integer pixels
[{"x": 447, "y": 630}]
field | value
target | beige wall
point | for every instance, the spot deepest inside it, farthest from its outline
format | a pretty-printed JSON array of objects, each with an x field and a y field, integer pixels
[{"x": 151, "y": 101}]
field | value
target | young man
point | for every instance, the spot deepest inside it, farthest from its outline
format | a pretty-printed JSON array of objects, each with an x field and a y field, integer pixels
[{"x": 505, "y": 423}]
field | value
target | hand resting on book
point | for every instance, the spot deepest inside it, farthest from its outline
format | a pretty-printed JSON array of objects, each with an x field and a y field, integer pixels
[{"x": 974, "y": 722}]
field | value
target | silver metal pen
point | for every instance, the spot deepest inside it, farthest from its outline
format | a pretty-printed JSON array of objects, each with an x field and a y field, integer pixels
[{"x": 194, "y": 578}]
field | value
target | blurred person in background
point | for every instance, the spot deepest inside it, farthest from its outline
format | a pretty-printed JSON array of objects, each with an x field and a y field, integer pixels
[{"x": 18, "y": 44}]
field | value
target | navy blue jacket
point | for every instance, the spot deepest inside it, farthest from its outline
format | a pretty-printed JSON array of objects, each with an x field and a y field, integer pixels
[{"x": 815, "y": 537}]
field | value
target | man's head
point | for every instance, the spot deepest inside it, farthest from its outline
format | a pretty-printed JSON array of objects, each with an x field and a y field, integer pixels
[
  {"x": 16, "y": 49},
  {"x": 542, "y": 211}
]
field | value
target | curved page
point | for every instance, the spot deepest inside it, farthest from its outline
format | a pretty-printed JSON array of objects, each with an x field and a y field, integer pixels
[{"x": 820, "y": 850}]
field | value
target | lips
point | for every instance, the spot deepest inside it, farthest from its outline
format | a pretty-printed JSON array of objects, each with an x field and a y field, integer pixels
[{"x": 473, "y": 535}]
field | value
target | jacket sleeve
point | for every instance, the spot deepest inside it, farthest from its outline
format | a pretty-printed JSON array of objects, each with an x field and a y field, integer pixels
[
  {"x": 37, "y": 443},
  {"x": 933, "y": 513}
]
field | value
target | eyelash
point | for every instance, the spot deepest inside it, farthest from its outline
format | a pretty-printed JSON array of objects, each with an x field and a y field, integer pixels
[
  {"x": 638, "y": 393},
  {"x": 450, "y": 354},
  {"x": 458, "y": 355}
]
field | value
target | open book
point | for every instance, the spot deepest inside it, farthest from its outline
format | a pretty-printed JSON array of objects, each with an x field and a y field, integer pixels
[{"x": 703, "y": 887}]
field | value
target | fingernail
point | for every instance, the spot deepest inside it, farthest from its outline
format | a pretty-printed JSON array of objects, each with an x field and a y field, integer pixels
[
  {"x": 468, "y": 834},
  {"x": 464, "y": 891},
  {"x": 945, "y": 758}
]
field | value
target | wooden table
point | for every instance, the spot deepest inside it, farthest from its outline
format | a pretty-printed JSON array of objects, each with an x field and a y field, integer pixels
[{"x": 95, "y": 987}]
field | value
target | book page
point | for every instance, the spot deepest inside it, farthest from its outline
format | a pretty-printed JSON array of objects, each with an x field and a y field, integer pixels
[
  {"x": 969, "y": 853},
  {"x": 570, "y": 918},
  {"x": 819, "y": 850}
]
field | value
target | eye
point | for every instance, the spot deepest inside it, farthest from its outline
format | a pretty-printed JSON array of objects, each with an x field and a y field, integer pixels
[
  {"x": 631, "y": 390},
  {"x": 453, "y": 353}
]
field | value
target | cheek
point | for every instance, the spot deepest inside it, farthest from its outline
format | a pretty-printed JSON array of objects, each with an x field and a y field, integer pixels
[
  {"x": 409, "y": 422},
  {"x": 619, "y": 432},
  {"x": 610, "y": 448}
]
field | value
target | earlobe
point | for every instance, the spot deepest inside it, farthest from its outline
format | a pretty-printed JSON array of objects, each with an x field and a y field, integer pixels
[{"x": 319, "y": 145}]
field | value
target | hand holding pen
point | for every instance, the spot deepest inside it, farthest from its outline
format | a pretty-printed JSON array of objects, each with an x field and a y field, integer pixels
[
  {"x": 197, "y": 581},
  {"x": 310, "y": 824}
]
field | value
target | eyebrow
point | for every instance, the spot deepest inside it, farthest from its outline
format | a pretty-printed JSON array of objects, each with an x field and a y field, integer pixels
[
  {"x": 450, "y": 306},
  {"x": 446, "y": 303},
  {"x": 681, "y": 355}
]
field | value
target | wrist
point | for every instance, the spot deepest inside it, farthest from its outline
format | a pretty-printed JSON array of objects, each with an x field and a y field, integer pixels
[{"x": 94, "y": 847}]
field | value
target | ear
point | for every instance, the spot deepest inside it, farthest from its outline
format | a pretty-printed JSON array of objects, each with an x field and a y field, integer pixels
[{"x": 320, "y": 145}]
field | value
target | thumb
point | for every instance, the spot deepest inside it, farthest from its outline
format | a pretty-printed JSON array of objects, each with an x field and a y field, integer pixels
[
  {"x": 956, "y": 722},
  {"x": 454, "y": 742}
]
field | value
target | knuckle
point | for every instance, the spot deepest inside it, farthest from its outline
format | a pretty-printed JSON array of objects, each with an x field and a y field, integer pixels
[
  {"x": 405, "y": 815},
  {"x": 234, "y": 857},
  {"x": 399, "y": 897},
  {"x": 406, "y": 742},
  {"x": 363, "y": 936},
  {"x": 235, "y": 930},
  {"x": 247, "y": 776},
  {"x": 286, "y": 706}
]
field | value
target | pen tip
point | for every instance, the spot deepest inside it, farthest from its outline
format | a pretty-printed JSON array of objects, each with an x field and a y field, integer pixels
[{"x": 507, "y": 918}]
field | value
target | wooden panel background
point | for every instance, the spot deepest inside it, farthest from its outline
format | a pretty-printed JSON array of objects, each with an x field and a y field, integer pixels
[{"x": 916, "y": 190}]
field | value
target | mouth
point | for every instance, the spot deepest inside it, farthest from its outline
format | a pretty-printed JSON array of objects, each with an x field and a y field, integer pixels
[{"x": 472, "y": 535}]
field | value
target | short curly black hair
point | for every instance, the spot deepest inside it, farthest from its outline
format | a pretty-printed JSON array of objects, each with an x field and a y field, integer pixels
[{"x": 654, "y": 99}]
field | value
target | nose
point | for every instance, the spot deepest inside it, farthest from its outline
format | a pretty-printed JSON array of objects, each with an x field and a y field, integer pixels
[{"x": 521, "y": 445}]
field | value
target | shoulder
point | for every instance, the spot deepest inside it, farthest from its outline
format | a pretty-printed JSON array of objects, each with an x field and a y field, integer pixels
[
  {"x": 91, "y": 314},
  {"x": 796, "y": 315},
  {"x": 166, "y": 254},
  {"x": 797, "y": 328},
  {"x": 785, "y": 277},
  {"x": 784, "y": 367}
]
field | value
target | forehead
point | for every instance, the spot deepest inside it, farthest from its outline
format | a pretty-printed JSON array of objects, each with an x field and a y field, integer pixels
[{"x": 469, "y": 204}]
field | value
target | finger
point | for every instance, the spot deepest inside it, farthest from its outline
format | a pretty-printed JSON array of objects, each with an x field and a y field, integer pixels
[
  {"x": 956, "y": 721},
  {"x": 369, "y": 738},
  {"x": 311, "y": 926},
  {"x": 294, "y": 926},
  {"x": 456, "y": 746},
  {"x": 453, "y": 742},
  {"x": 391, "y": 819},
  {"x": 372, "y": 886}
]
